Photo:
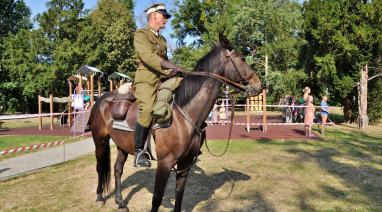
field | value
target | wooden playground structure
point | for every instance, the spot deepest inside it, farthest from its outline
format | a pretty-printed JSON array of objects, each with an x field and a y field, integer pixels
[
  {"x": 116, "y": 79},
  {"x": 84, "y": 77}
]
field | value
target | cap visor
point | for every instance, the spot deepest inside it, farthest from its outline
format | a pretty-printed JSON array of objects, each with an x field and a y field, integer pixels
[{"x": 168, "y": 16}]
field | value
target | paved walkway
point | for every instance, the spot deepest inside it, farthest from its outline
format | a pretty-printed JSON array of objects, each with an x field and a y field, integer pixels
[{"x": 14, "y": 166}]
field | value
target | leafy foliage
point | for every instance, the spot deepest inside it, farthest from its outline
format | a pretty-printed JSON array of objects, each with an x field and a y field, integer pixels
[
  {"x": 114, "y": 21},
  {"x": 257, "y": 28},
  {"x": 286, "y": 83},
  {"x": 343, "y": 36},
  {"x": 38, "y": 61},
  {"x": 14, "y": 16}
]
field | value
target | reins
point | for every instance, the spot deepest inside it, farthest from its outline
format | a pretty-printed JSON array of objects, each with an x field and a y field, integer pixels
[
  {"x": 198, "y": 131},
  {"x": 229, "y": 134},
  {"x": 222, "y": 79}
]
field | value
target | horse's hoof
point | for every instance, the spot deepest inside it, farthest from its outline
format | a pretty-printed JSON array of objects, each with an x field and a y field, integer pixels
[
  {"x": 100, "y": 203},
  {"x": 123, "y": 209}
]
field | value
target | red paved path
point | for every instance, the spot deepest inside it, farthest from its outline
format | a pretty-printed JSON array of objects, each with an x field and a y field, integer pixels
[
  {"x": 57, "y": 131},
  {"x": 273, "y": 132}
]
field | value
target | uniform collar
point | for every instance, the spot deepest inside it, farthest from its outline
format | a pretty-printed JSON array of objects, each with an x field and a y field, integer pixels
[{"x": 156, "y": 33}]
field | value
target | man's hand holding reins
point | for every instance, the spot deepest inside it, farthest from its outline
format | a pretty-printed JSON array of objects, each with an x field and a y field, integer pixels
[{"x": 174, "y": 69}]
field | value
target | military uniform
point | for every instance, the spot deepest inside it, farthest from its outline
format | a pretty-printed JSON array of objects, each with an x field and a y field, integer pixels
[{"x": 151, "y": 48}]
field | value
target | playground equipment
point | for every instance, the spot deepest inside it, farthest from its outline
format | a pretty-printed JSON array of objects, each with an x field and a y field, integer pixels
[
  {"x": 85, "y": 74},
  {"x": 118, "y": 79},
  {"x": 90, "y": 72},
  {"x": 261, "y": 103},
  {"x": 76, "y": 79},
  {"x": 51, "y": 100}
]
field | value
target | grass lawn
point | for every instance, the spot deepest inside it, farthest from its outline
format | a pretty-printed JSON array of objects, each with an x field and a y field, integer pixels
[
  {"x": 12, "y": 141},
  {"x": 262, "y": 175}
]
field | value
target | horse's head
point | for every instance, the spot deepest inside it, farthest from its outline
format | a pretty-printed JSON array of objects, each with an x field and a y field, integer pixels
[{"x": 237, "y": 70}]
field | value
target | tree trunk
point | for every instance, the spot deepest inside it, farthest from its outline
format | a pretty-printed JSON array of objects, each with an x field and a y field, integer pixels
[{"x": 363, "y": 119}]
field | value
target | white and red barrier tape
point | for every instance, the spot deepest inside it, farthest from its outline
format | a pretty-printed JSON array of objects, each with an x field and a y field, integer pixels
[
  {"x": 210, "y": 123},
  {"x": 38, "y": 146},
  {"x": 260, "y": 106},
  {"x": 24, "y": 116}
]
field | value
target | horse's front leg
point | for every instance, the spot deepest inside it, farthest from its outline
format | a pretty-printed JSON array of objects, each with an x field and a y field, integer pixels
[
  {"x": 181, "y": 178},
  {"x": 163, "y": 172},
  {"x": 118, "y": 171}
]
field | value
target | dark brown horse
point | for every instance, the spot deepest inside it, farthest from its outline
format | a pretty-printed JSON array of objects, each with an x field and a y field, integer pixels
[{"x": 180, "y": 143}]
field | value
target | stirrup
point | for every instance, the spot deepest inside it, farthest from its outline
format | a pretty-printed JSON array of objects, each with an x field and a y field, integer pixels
[
  {"x": 122, "y": 125},
  {"x": 139, "y": 155}
]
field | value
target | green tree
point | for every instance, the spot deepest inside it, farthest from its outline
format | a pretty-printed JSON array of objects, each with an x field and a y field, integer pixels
[
  {"x": 62, "y": 20},
  {"x": 60, "y": 25},
  {"x": 201, "y": 22},
  {"x": 114, "y": 21},
  {"x": 286, "y": 83},
  {"x": 343, "y": 36},
  {"x": 38, "y": 61},
  {"x": 14, "y": 15},
  {"x": 27, "y": 62},
  {"x": 267, "y": 32}
]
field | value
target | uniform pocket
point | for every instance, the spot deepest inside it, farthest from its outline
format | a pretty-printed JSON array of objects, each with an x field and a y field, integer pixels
[{"x": 146, "y": 76}]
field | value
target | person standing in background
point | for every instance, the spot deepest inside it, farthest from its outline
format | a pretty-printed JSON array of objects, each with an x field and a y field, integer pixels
[
  {"x": 309, "y": 116},
  {"x": 324, "y": 112}
]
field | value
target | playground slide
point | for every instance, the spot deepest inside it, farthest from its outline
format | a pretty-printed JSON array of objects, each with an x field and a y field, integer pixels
[{"x": 80, "y": 121}]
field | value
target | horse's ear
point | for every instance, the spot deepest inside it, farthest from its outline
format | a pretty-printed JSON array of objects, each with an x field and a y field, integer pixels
[{"x": 224, "y": 41}]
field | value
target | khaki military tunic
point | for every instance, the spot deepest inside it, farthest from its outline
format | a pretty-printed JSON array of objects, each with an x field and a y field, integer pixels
[{"x": 151, "y": 48}]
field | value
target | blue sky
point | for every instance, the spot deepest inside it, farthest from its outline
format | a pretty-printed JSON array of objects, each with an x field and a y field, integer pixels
[{"x": 38, "y": 6}]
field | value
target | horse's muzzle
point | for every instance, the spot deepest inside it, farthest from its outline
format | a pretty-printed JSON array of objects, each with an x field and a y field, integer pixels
[{"x": 254, "y": 90}]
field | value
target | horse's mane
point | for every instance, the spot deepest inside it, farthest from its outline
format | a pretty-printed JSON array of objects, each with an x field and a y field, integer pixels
[{"x": 191, "y": 84}]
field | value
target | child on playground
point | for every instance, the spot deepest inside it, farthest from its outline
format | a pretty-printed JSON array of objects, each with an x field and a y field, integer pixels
[
  {"x": 309, "y": 116},
  {"x": 324, "y": 112}
]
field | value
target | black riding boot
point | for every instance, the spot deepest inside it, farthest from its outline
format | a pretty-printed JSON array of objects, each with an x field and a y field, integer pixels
[{"x": 141, "y": 134}]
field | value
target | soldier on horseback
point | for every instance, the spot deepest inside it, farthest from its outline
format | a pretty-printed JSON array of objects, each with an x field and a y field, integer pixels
[{"x": 151, "y": 48}]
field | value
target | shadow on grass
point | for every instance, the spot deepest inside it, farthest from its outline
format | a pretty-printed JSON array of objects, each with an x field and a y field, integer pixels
[
  {"x": 311, "y": 142},
  {"x": 366, "y": 178},
  {"x": 357, "y": 140},
  {"x": 199, "y": 187}
]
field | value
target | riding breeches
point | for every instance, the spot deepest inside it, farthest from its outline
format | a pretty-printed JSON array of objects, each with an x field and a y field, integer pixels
[{"x": 145, "y": 94}]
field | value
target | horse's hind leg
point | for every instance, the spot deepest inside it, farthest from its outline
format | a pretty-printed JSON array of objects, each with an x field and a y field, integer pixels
[
  {"x": 118, "y": 171},
  {"x": 103, "y": 165},
  {"x": 163, "y": 172}
]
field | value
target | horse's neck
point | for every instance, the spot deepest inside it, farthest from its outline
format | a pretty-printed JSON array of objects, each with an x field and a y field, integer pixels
[{"x": 202, "y": 103}]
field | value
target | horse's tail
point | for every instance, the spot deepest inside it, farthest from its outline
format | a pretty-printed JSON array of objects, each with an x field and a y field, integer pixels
[{"x": 104, "y": 165}]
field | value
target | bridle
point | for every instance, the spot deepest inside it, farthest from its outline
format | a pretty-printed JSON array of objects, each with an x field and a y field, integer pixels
[
  {"x": 244, "y": 79},
  {"x": 242, "y": 86}
]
